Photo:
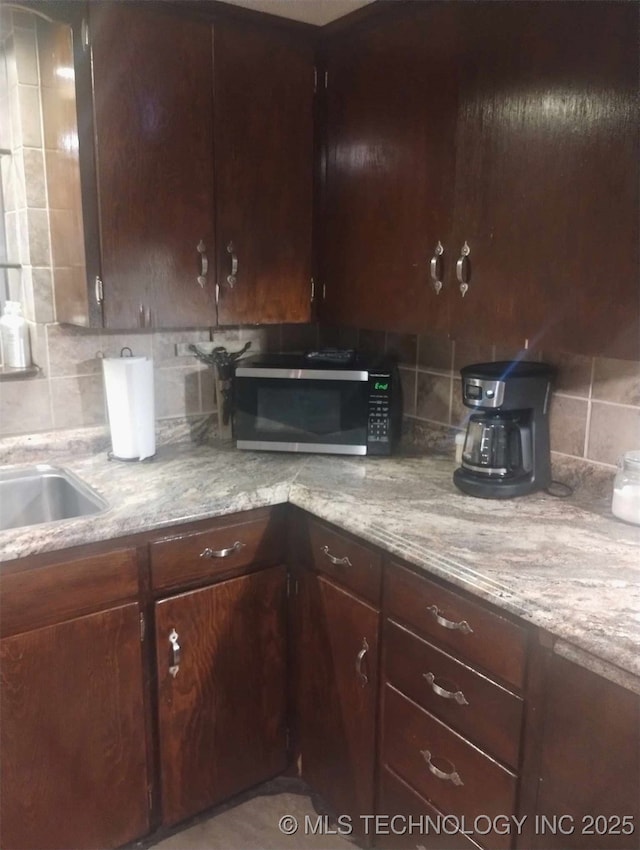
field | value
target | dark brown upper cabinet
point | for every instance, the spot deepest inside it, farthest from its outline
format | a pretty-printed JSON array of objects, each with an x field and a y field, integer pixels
[
  {"x": 197, "y": 155},
  {"x": 154, "y": 175},
  {"x": 483, "y": 145},
  {"x": 263, "y": 105},
  {"x": 391, "y": 106},
  {"x": 547, "y": 177}
]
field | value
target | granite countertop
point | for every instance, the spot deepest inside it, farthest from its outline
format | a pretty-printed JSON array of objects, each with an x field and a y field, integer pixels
[{"x": 571, "y": 571}]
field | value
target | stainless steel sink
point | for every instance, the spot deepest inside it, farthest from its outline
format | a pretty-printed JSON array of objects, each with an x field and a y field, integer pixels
[{"x": 44, "y": 493}]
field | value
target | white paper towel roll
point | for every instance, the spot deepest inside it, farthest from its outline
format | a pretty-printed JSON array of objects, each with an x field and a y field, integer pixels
[{"x": 130, "y": 403}]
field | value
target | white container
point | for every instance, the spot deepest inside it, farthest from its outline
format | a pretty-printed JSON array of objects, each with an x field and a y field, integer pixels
[
  {"x": 626, "y": 488},
  {"x": 14, "y": 332}
]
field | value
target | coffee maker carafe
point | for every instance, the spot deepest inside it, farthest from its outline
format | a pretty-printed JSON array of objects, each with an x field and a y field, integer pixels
[{"x": 506, "y": 449}]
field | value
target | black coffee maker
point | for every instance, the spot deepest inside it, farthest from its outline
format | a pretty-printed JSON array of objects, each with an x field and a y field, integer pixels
[{"x": 506, "y": 448}]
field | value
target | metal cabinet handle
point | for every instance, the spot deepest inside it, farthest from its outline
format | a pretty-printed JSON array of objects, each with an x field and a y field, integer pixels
[
  {"x": 176, "y": 653},
  {"x": 233, "y": 277},
  {"x": 462, "y": 626},
  {"x": 222, "y": 553},
  {"x": 342, "y": 562},
  {"x": 462, "y": 269},
  {"x": 453, "y": 776},
  {"x": 201, "y": 248},
  {"x": 364, "y": 679},
  {"x": 142, "y": 316},
  {"x": 435, "y": 268},
  {"x": 457, "y": 695}
]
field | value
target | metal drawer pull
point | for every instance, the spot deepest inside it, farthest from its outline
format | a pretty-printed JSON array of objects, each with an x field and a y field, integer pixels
[
  {"x": 454, "y": 776},
  {"x": 201, "y": 248},
  {"x": 458, "y": 696},
  {"x": 176, "y": 654},
  {"x": 364, "y": 679},
  {"x": 435, "y": 267},
  {"x": 342, "y": 562},
  {"x": 222, "y": 553},
  {"x": 462, "y": 626},
  {"x": 233, "y": 277},
  {"x": 461, "y": 269}
]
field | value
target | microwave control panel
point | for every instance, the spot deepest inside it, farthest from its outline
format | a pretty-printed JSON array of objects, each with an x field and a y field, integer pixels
[{"x": 379, "y": 421}]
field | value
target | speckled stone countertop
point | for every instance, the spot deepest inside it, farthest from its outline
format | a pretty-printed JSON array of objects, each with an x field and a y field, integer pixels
[{"x": 571, "y": 571}]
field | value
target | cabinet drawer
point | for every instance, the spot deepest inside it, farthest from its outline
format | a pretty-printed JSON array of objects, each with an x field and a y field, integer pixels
[
  {"x": 418, "y": 747},
  {"x": 217, "y": 550},
  {"x": 60, "y": 591},
  {"x": 351, "y": 564},
  {"x": 483, "y": 711},
  {"x": 470, "y": 630},
  {"x": 412, "y": 828}
]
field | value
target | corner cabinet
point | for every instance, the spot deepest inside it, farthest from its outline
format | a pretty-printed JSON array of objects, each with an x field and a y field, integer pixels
[
  {"x": 196, "y": 148},
  {"x": 482, "y": 174}
]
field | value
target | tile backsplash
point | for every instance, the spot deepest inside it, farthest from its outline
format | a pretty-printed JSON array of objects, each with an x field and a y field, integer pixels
[
  {"x": 595, "y": 411},
  {"x": 69, "y": 390}
]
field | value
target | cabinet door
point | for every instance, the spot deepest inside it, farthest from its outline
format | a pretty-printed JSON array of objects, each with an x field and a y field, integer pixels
[
  {"x": 152, "y": 81},
  {"x": 590, "y": 770},
  {"x": 336, "y": 694},
  {"x": 264, "y": 173},
  {"x": 547, "y": 168},
  {"x": 391, "y": 116},
  {"x": 222, "y": 694},
  {"x": 74, "y": 769}
]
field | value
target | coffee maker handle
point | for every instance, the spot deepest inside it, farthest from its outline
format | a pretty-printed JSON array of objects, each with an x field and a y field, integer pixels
[{"x": 527, "y": 447}]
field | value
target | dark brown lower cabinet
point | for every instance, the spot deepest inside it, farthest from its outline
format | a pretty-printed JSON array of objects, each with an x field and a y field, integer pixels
[
  {"x": 221, "y": 660},
  {"x": 409, "y": 822},
  {"x": 589, "y": 782},
  {"x": 72, "y": 734},
  {"x": 337, "y": 656}
]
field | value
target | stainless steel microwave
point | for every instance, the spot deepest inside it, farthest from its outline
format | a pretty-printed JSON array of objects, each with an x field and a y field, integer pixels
[{"x": 336, "y": 403}]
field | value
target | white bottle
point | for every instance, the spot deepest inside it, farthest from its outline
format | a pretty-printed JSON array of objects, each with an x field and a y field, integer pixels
[{"x": 14, "y": 331}]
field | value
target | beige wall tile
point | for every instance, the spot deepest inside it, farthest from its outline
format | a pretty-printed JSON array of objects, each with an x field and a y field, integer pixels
[
  {"x": 299, "y": 337},
  {"x": 435, "y": 352},
  {"x": 24, "y": 407},
  {"x": 164, "y": 346},
  {"x": 73, "y": 351},
  {"x": 39, "y": 246},
  {"x": 78, "y": 402},
  {"x": 42, "y": 294},
  {"x": 409, "y": 383},
  {"x": 30, "y": 125},
  {"x": 468, "y": 353},
  {"x": 505, "y": 352},
  {"x": 433, "y": 397},
  {"x": 337, "y": 336},
  {"x": 403, "y": 347},
  {"x": 459, "y": 413},
  {"x": 568, "y": 425},
  {"x": 140, "y": 343},
  {"x": 616, "y": 380},
  {"x": 207, "y": 390},
  {"x": 613, "y": 430},
  {"x": 574, "y": 372},
  {"x": 26, "y": 55},
  {"x": 34, "y": 178},
  {"x": 177, "y": 392},
  {"x": 371, "y": 342}
]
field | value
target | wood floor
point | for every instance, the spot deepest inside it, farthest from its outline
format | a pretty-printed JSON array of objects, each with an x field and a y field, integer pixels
[{"x": 252, "y": 824}]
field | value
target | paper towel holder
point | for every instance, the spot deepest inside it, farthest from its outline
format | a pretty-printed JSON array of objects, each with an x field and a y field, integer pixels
[{"x": 125, "y": 353}]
